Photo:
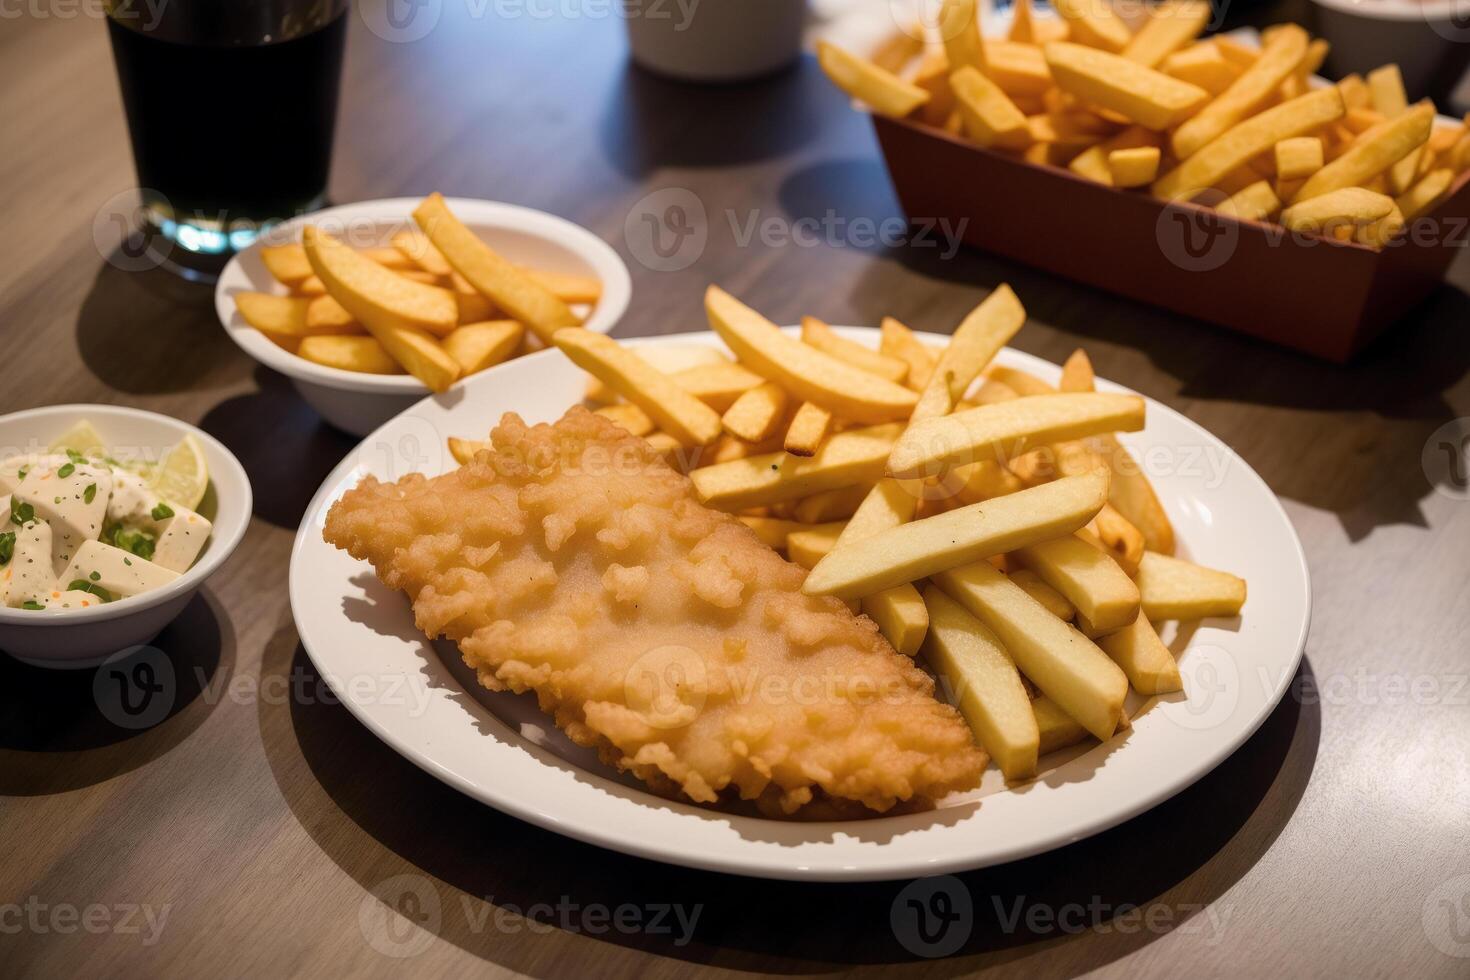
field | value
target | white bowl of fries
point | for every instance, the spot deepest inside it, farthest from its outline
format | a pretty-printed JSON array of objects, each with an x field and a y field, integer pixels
[{"x": 373, "y": 311}]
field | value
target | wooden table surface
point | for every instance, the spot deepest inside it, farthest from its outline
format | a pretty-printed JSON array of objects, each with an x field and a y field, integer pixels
[{"x": 259, "y": 830}]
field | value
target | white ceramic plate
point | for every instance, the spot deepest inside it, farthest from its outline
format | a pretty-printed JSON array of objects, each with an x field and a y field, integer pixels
[
  {"x": 360, "y": 402},
  {"x": 500, "y": 749}
]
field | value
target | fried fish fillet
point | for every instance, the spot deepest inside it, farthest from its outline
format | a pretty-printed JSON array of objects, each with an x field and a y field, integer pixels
[{"x": 569, "y": 560}]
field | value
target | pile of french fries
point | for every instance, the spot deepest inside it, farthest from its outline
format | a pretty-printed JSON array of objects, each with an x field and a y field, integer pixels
[
  {"x": 1240, "y": 129},
  {"x": 979, "y": 516},
  {"x": 437, "y": 303}
]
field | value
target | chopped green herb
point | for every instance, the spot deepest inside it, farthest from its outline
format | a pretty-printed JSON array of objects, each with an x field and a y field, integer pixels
[
  {"x": 31, "y": 604},
  {"x": 82, "y": 585},
  {"x": 22, "y": 472},
  {"x": 162, "y": 512},
  {"x": 56, "y": 500},
  {"x": 20, "y": 512},
  {"x": 133, "y": 540},
  {"x": 128, "y": 562},
  {"x": 90, "y": 494},
  {"x": 7, "y": 547},
  {"x": 66, "y": 470},
  {"x": 75, "y": 456},
  {"x": 95, "y": 576}
]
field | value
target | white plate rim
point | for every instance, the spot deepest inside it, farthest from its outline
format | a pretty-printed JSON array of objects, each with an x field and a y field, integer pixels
[
  {"x": 600, "y": 257},
  {"x": 824, "y": 860}
]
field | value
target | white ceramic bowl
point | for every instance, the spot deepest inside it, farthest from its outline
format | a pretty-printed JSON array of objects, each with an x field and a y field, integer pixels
[
  {"x": 359, "y": 403},
  {"x": 1364, "y": 34},
  {"x": 86, "y": 637}
]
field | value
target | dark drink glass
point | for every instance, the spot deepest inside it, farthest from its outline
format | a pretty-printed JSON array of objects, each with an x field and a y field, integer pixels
[{"x": 231, "y": 106}]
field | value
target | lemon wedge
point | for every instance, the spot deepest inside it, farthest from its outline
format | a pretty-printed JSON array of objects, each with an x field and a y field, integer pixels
[
  {"x": 80, "y": 438},
  {"x": 182, "y": 475}
]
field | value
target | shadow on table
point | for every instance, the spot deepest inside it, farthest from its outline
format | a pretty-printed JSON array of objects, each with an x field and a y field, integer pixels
[
  {"x": 151, "y": 332},
  {"x": 414, "y": 843},
  {"x": 62, "y": 730},
  {"x": 282, "y": 443},
  {"x": 652, "y": 122},
  {"x": 1368, "y": 421}
]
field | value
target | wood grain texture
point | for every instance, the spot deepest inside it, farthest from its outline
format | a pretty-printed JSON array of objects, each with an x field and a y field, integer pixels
[{"x": 264, "y": 822}]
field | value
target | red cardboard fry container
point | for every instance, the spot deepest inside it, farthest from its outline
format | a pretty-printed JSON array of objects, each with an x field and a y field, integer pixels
[{"x": 1325, "y": 297}]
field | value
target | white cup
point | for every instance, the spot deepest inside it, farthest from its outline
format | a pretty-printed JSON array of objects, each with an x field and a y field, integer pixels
[
  {"x": 1421, "y": 36},
  {"x": 715, "y": 40}
]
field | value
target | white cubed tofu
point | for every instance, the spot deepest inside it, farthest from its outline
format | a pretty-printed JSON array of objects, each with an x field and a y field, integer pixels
[
  {"x": 181, "y": 540},
  {"x": 122, "y": 574},
  {"x": 71, "y": 599},
  {"x": 72, "y": 498},
  {"x": 29, "y": 576},
  {"x": 180, "y": 536},
  {"x": 10, "y": 469}
]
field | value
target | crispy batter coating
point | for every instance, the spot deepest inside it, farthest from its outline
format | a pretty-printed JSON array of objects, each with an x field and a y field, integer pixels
[{"x": 571, "y": 561}]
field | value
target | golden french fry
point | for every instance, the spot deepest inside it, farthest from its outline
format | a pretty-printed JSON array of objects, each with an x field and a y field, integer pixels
[
  {"x": 1150, "y": 667},
  {"x": 831, "y": 505},
  {"x": 1065, "y": 665},
  {"x": 1056, "y": 603},
  {"x": 901, "y": 615},
  {"x": 1386, "y": 91},
  {"x": 898, "y": 341},
  {"x": 823, "y": 338},
  {"x": 629, "y": 416},
  {"x": 1300, "y": 156},
  {"x": 1279, "y": 57},
  {"x": 1351, "y": 207},
  {"x": 1170, "y": 26},
  {"x": 1090, "y": 580},
  {"x": 1172, "y": 588},
  {"x": 310, "y": 286},
  {"x": 388, "y": 258},
  {"x": 1372, "y": 153},
  {"x": 808, "y": 548},
  {"x": 284, "y": 316},
  {"x": 668, "y": 358},
  {"x": 286, "y": 263},
  {"x": 416, "y": 247},
  {"x": 393, "y": 309},
  {"x": 464, "y": 450},
  {"x": 976, "y": 341},
  {"x": 1019, "y": 69},
  {"x": 809, "y": 426},
  {"x": 809, "y": 374},
  {"x": 361, "y": 354},
  {"x": 986, "y": 686},
  {"x": 890, "y": 503},
  {"x": 1204, "y": 65},
  {"x": 1119, "y": 538},
  {"x": 1092, "y": 162},
  {"x": 1024, "y": 384},
  {"x": 959, "y": 30},
  {"x": 1134, "y": 167},
  {"x": 757, "y": 414},
  {"x": 477, "y": 346},
  {"x": 1077, "y": 373},
  {"x": 980, "y": 433},
  {"x": 324, "y": 315},
  {"x": 774, "y": 531},
  {"x": 673, "y": 408},
  {"x": 882, "y": 91},
  {"x": 853, "y": 456},
  {"x": 510, "y": 290},
  {"x": 718, "y": 385},
  {"x": 1424, "y": 195},
  {"x": 990, "y": 117},
  {"x": 958, "y": 537},
  {"x": 1094, "y": 24},
  {"x": 1255, "y": 203},
  {"x": 1246, "y": 139},
  {"x": 565, "y": 286},
  {"x": 1055, "y": 728},
  {"x": 896, "y": 50},
  {"x": 1376, "y": 234},
  {"x": 1142, "y": 95}
]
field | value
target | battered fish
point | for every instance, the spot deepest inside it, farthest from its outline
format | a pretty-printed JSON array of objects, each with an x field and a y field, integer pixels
[{"x": 569, "y": 560}]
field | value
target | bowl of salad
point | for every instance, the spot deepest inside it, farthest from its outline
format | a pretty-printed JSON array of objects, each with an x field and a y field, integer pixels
[{"x": 111, "y": 519}]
